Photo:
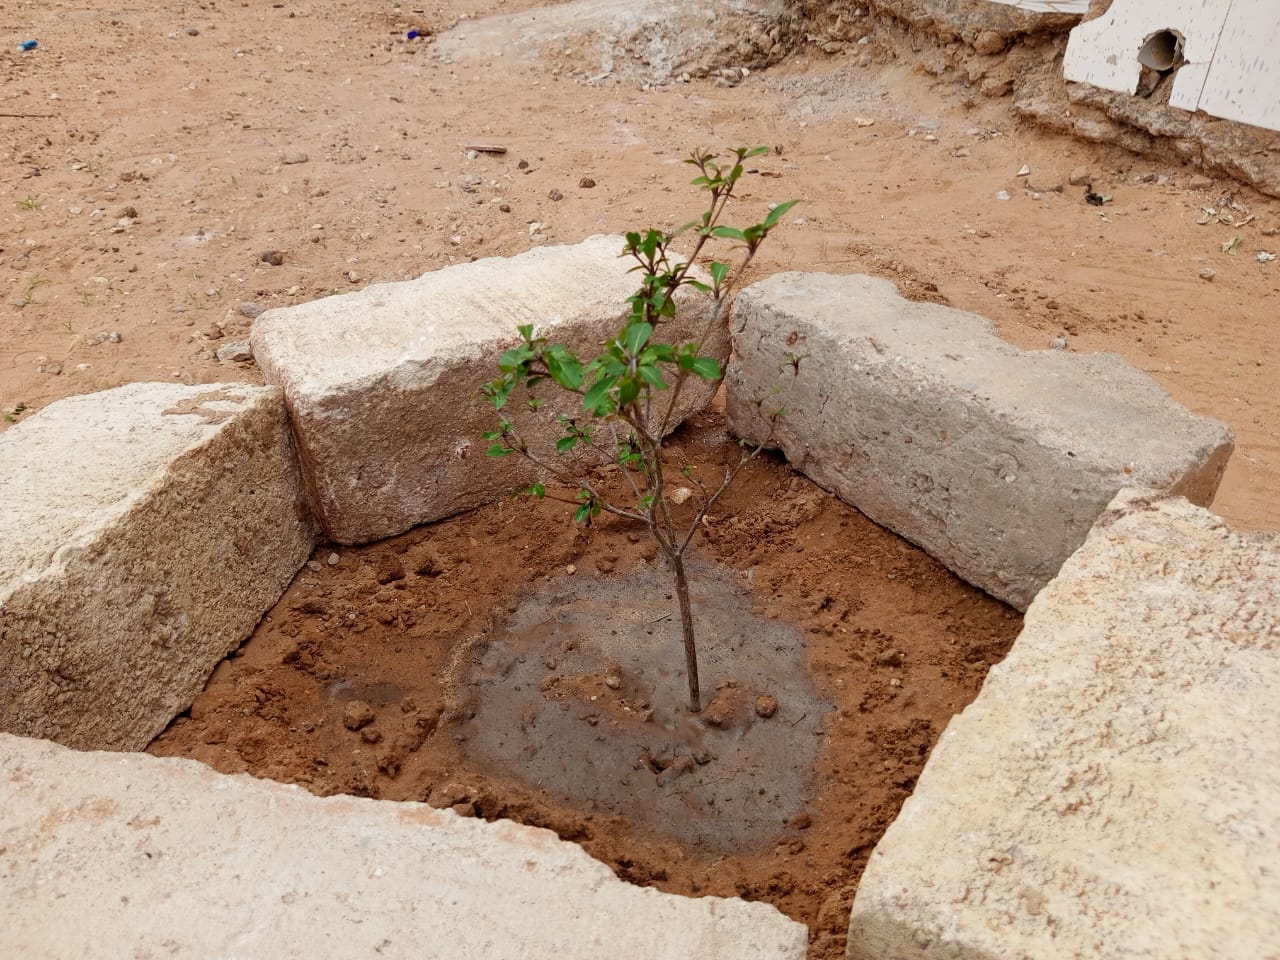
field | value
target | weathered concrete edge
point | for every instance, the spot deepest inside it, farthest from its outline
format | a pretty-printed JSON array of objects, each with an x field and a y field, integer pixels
[{"x": 382, "y": 856}]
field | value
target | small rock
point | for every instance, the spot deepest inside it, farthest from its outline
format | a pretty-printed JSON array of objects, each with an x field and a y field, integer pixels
[
  {"x": 1080, "y": 177},
  {"x": 250, "y": 309},
  {"x": 1148, "y": 177},
  {"x": 273, "y": 257},
  {"x": 1045, "y": 184},
  {"x": 1024, "y": 171},
  {"x": 613, "y": 682},
  {"x": 1208, "y": 273},
  {"x": 192, "y": 32},
  {"x": 237, "y": 351},
  {"x": 114, "y": 337},
  {"x": 357, "y": 715},
  {"x": 371, "y": 735},
  {"x": 333, "y": 559},
  {"x": 129, "y": 213},
  {"x": 353, "y": 277},
  {"x": 1200, "y": 182},
  {"x": 571, "y": 569},
  {"x": 888, "y": 658},
  {"x": 766, "y": 706},
  {"x": 295, "y": 157},
  {"x": 1058, "y": 343},
  {"x": 586, "y": 183},
  {"x": 504, "y": 207},
  {"x": 522, "y": 165},
  {"x": 555, "y": 194},
  {"x": 449, "y": 795},
  {"x": 960, "y": 152},
  {"x": 801, "y": 821},
  {"x": 51, "y": 367},
  {"x": 719, "y": 712},
  {"x": 314, "y": 566},
  {"x": 214, "y": 332},
  {"x": 466, "y": 809},
  {"x": 1003, "y": 195}
]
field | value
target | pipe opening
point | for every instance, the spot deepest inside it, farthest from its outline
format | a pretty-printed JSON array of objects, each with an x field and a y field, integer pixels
[{"x": 1162, "y": 51}]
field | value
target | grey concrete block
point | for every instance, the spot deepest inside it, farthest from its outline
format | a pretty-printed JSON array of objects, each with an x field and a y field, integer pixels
[
  {"x": 143, "y": 532},
  {"x": 1111, "y": 793},
  {"x": 383, "y": 384},
  {"x": 993, "y": 459},
  {"x": 110, "y": 855}
]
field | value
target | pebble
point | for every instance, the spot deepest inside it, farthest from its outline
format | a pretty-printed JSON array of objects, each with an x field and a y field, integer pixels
[
  {"x": 1080, "y": 177},
  {"x": 961, "y": 152},
  {"x": 273, "y": 257},
  {"x": 129, "y": 213},
  {"x": 555, "y": 194},
  {"x": 889, "y": 658},
  {"x": 1208, "y": 273},
  {"x": 1200, "y": 182},
  {"x": 192, "y": 32},
  {"x": 801, "y": 821},
  {"x": 766, "y": 706},
  {"x": 114, "y": 337},
  {"x": 613, "y": 682},
  {"x": 1003, "y": 195},
  {"x": 1058, "y": 343},
  {"x": 333, "y": 559},
  {"x": 296, "y": 157},
  {"x": 1024, "y": 171},
  {"x": 353, "y": 277},
  {"x": 237, "y": 351},
  {"x": 586, "y": 183},
  {"x": 314, "y": 566},
  {"x": 250, "y": 309},
  {"x": 1045, "y": 184},
  {"x": 504, "y": 207},
  {"x": 357, "y": 715}
]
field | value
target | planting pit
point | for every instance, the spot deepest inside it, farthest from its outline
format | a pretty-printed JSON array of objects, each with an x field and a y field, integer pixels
[{"x": 391, "y": 672}]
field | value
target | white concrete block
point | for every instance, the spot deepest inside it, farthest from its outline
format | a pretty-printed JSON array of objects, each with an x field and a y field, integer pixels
[
  {"x": 1112, "y": 793},
  {"x": 1104, "y": 51},
  {"x": 383, "y": 385},
  {"x": 1244, "y": 79},
  {"x": 143, "y": 532},
  {"x": 126, "y": 856},
  {"x": 995, "y": 460}
]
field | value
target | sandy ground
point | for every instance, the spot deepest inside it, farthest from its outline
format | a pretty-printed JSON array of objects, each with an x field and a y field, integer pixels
[
  {"x": 172, "y": 144},
  {"x": 188, "y": 116}
]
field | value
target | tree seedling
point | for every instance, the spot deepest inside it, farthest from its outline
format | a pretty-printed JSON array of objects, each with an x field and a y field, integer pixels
[{"x": 629, "y": 392}]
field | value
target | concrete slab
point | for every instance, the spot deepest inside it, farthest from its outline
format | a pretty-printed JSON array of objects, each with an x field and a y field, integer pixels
[
  {"x": 995, "y": 460},
  {"x": 1112, "y": 792},
  {"x": 143, "y": 532},
  {"x": 109, "y": 855},
  {"x": 383, "y": 385}
]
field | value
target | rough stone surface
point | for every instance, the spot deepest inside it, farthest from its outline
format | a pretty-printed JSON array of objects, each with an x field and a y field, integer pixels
[
  {"x": 109, "y": 855},
  {"x": 1111, "y": 794},
  {"x": 995, "y": 460},
  {"x": 383, "y": 384},
  {"x": 143, "y": 532},
  {"x": 648, "y": 40}
]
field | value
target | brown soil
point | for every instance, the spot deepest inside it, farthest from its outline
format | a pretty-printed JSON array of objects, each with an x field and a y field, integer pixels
[
  {"x": 469, "y": 664},
  {"x": 185, "y": 140}
]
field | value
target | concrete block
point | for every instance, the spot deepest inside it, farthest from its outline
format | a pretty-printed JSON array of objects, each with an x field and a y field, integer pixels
[
  {"x": 995, "y": 460},
  {"x": 383, "y": 384},
  {"x": 1111, "y": 793},
  {"x": 143, "y": 532},
  {"x": 111, "y": 855}
]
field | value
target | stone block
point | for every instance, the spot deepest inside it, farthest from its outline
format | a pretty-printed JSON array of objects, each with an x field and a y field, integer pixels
[
  {"x": 383, "y": 385},
  {"x": 1111, "y": 793},
  {"x": 993, "y": 459},
  {"x": 111, "y": 855},
  {"x": 143, "y": 532}
]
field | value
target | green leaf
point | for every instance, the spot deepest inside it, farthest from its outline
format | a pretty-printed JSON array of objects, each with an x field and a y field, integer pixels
[
  {"x": 628, "y": 390},
  {"x": 597, "y": 401},
  {"x": 754, "y": 152},
  {"x": 707, "y": 367},
  {"x": 719, "y": 271},
  {"x": 636, "y": 336},
  {"x": 564, "y": 367},
  {"x": 777, "y": 213},
  {"x": 565, "y": 444},
  {"x": 492, "y": 435},
  {"x": 658, "y": 353},
  {"x": 651, "y": 375},
  {"x": 526, "y": 331},
  {"x": 539, "y": 490},
  {"x": 729, "y": 233},
  {"x": 498, "y": 450},
  {"x": 582, "y": 513}
]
